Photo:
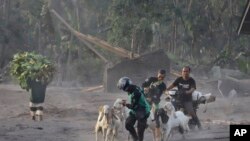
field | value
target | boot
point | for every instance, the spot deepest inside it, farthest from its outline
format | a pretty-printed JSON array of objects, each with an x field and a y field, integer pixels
[
  {"x": 197, "y": 122},
  {"x": 33, "y": 118},
  {"x": 134, "y": 136},
  {"x": 32, "y": 114},
  {"x": 134, "y": 139},
  {"x": 191, "y": 124},
  {"x": 39, "y": 117},
  {"x": 39, "y": 114}
]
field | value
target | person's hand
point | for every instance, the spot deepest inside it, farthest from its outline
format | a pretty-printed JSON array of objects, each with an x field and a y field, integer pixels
[
  {"x": 166, "y": 92},
  {"x": 146, "y": 90},
  {"x": 187, "y": 92}
]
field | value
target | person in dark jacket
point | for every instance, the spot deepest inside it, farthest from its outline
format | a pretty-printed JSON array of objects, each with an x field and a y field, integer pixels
[
  {"x": 154, "y": 87},
  {"x": 139, "y": 108},
  {"x": 186, "y": 86}
]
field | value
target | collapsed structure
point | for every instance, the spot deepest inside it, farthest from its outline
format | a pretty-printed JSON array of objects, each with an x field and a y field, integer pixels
[{"x": 133, "y": 65}]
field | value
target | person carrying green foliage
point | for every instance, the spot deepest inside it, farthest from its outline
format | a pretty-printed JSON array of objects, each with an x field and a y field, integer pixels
[{"x": 34, "y": 72}]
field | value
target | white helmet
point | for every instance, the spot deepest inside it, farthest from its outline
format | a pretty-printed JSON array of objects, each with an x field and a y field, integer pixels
[{"x": 123, "y": 83}]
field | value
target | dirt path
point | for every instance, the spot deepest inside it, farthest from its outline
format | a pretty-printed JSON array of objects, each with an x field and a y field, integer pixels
[{"x": 70, "y": 115}]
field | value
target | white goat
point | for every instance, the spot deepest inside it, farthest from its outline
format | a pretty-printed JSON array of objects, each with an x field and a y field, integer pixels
[
  {"x": 151, "y": 121},
  {"x": 177, "y": 119},
  {"x": 114, "y": 124},
  {"x": 107, "y": 123},
  {"x": 102, "y": 121},
  {"x": 121, "y": 111},
  {"x": 203, "y": 98}
]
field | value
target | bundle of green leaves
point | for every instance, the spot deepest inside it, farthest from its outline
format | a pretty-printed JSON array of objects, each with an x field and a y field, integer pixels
[{"x": 31, "y": 66}]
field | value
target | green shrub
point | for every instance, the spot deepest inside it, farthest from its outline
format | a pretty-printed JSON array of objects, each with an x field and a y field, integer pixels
[
  {"x": 31, "y": 66},
  {"x": 243, "y": 65}
]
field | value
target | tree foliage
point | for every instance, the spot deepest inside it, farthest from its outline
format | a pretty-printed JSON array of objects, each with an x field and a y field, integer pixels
[
  {"x": 197, "y": 32},
  {"x": 31, "y": 66}
]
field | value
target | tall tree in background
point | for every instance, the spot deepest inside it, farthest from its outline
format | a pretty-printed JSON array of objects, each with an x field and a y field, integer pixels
[
  {"x": 197, "y": 32},
  {"x": 132, "y": 21}
]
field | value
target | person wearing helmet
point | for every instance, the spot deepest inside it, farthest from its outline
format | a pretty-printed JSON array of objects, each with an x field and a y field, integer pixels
[
  {"x": 139, "y": 108},
  {"x": 186, "y": 86}
]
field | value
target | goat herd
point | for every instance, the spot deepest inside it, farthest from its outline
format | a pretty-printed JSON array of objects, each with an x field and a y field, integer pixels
[{"x": 112, "y": 118}]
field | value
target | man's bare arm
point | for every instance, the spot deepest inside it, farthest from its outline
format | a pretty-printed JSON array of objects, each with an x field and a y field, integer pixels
[
  {"x": 170, "y": 87},
  {"x": 190, "y": 91}
]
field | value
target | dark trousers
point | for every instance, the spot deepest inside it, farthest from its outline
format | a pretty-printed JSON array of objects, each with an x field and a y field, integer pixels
[
  {"x": 189, "y": 109},
  {"x": 141, "y": 126}
]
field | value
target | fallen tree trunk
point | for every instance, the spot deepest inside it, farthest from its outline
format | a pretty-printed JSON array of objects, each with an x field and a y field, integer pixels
[{"x": 93, "y": 89}]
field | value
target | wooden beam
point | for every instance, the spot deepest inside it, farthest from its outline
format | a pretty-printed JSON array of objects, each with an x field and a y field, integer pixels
[
  {"x": 244, "y": 17},
  {"x": 117, "y": 50},
  {"x": 95, "y": 51},
  {"x": 93, "y": 89}
]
